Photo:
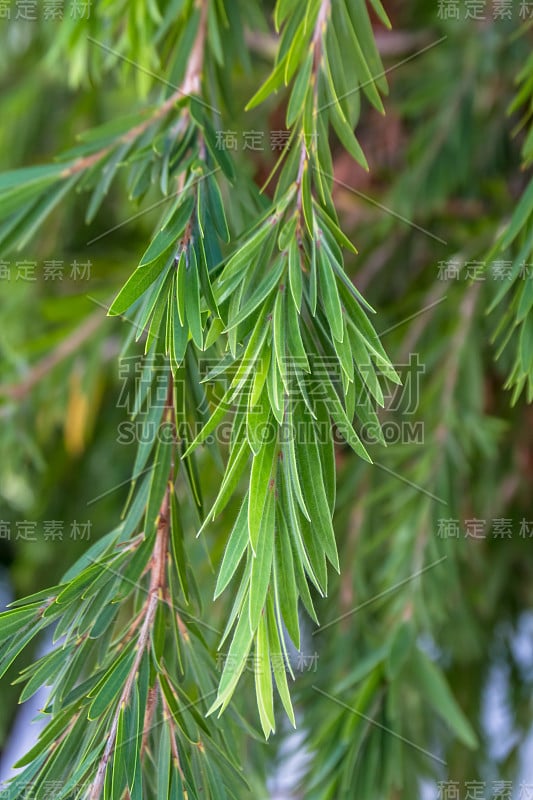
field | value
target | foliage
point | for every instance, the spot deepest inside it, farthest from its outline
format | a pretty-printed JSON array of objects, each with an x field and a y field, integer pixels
[{"x": 241, "y": 317}]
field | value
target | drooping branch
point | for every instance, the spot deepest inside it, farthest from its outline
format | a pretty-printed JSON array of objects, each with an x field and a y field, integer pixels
[
  {"x": 189, "y": 86},
  {"x": 156, "y": 594},
  {"x": 317, "y": 48}
]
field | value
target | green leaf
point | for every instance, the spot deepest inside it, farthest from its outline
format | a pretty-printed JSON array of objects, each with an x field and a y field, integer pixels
[
  {"x": 169, "y": 234},
  {"x": 156, "y": 329},
  {"x": 262, "y": 483},
  {"x": 526, "y": 345},
  {"x": 271, "y": 85},
  {"x": 192, "y": 299},
  {"x": 283, "y": 9},
  {"x": 381, "y": 13},
  {"x": 216, "y": 206},
  {"x": 342, "y": 422},
  {"x": 261, "y": 374},
  {"x": 177, "y": 544},
  {"x": 164, "y": 761},
  {"x": 286, "y": 580},
  {"x": 330, "y": 294},
  {"x": 261, "y": 293},
  {"x": 257, "y": 422},
  {"x": 362, "y": 26},
  {"x": 148, "y": 434},
  {"x": 14, "y": 621},
  {"x": 263, "y": 680},
  {"x": 434, "y": 690},
  {"x": 275, "y": 390},
  {"x": 295, "y": 273},
  {"x": 253, "y": 351},
  {"x": 521, "y": 215},
  {"x": 234, "y": 471},
  {"x": 341, "y": 125},
  {"x": 312, "y": 481},
  {"x": 138, "y": 283},
  {"x": 107, "y": 173},
  {"x": 279, "y": 336},
  {"x": 153, "y": 308},
  {"x": 45, "y": 671},
  {"x": 291, "y": 466},
  {"x": 177, "y": 713},
  {"x": 313, "y": 280},
  {"x": 205, "y": 280},
  {"x": 296, "y": 349},
  {"x": 332, "y": 226},
  {"x": 181, "y": 283},
  {"x": 326, "y": 450},
  {"x": 30, "y": 176},
  {"x": 234, "y": 664},
  {"x": 278, "y": 663},
  {"x": 307, "y": 198},
  {"x": 262, "y": 562},
  {"x": 244, "y": 255},
  {"x": 109, "y": 688},
  {"x": 219, "y": 154},
  {"x": 315, "y": 565},
  {"x": 160, "y": 476},
  {"x": 363, "y": 71},
  {"x": 401, "y": 645},
  {"x": 136, "y": 510},
  {"x": 235, "y": 549},
  {"x": 214, "y": 420},
  {"x": 42, "y": 209},
  {"x": 300, "y": 89}
]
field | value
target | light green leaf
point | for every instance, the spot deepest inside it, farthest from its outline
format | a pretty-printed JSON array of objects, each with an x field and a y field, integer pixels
[
  {"x": 177, "y": 543},
  {"x": 278, "y": 663},
  {"x": 299, "y": 90},
  {"x": 235, "y": 549},
  {"x": 330, "y": 294},
  {"x": 262, "y": 562},
  {"x": 192, "y": 299},
  {"x": 311, "y": 477},
  {"x": 265, "y": 288},
  {"x": 295, "y": 273},
  {"x": 110, "y": 686},
  {"x": 169, "y": 234},
  {"x": 401, "y": 645},
  {"x": 159, "y": 477},
  {"x": 234, "y": 664},
  {"x": 262, "y": 483},
  {"x": 271, "y": 85},
  {"x": 243, "y": 257},
  {"x": 137, "y": 284},
  {"x": 263, "y": 680},
  {"x": 286, "y": 580},
  {"x": 434, "y": 690}
]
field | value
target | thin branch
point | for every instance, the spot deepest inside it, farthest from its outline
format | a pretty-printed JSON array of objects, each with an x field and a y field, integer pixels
[
  {"x": 65, "y": 349},
  {"x": 151, "y": 704},
  {"x": 190, "y": 85},
  {"x": 173, "y": 743},
  {"x": 316, "y": 43},
  {"x": 156, "y": 594}
]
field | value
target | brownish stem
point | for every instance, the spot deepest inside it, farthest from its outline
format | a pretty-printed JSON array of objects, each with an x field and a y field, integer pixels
[
  {"x": 155, "y": 595},
  {"x": 190, "y": 85},
  {"x": 316, "y": 43}
]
